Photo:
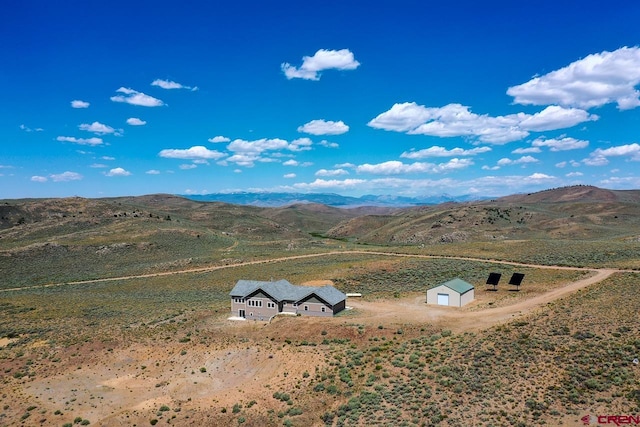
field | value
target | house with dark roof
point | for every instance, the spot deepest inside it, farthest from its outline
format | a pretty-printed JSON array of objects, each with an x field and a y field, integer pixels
[
  {"x": 252, "y": 299},
  {"x": 454, "y": 293}
]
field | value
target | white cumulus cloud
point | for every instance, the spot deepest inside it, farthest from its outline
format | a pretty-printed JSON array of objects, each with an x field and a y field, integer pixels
[
  {"x": 560, "y": 144},
  {"x": 539, "y": 177},
  {"x": 66, "y": 176},
  {"x": 243, "y": 159},
  {"x": 403, "y": 117},
  {"x": 168, "y": 84},
  {"x": 82, "y": 141},
  {"x": 322, "y": 184},
  {"x": 28, "y": 129},
  {"x": 437, "y": 151},
  {"x": 257, "y": 146},
  {"x": 289, "y": 175},
  {"x": 328, "y": 144},
  {"x": 345, "y": 165},
  {"x": 134, "y": 97},
  {"x": 118, "y": 172},
  {"x": 134, "y": 121},
  {"x": 598, "y": 79},
  {"x": 455, "y": 120},
  {"x": 394, "y": 167},
  {"x": 555, "y": 117},
  {"x": 527, "y": 150},
  {"x": 193, "y": 153},
  {"x": 323, "y": 59},
  {"x": 453, "y": 164},
  {"x": 300, "y": 144},
  {"x": 37, "y": 178},
  {"x": 219, "y": 138},
  {"x": 323, "y": 127},
  {"x": 600, "y": 156},
  {"x": 522, "y": 160},
  {"x": 98, "y": 128},
  {"x": 331, "y": 172},
  {"x": 76, "y": 103},
  {"x": 246, "y": 153}
]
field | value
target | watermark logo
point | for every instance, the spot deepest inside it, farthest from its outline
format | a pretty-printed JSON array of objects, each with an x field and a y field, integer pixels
[
  {"x": 616, "y": 420},
  {"x": 589, "y": 419}
]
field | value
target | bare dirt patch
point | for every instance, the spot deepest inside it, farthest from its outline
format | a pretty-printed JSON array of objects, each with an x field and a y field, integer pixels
[
  {"x": 179, "y": 382},
  {"x": 229, "y": 364},
  {"x": 469, "y": 318},
  {"x": 317, "y": 283},
  {"x": 6, "y": 341}
]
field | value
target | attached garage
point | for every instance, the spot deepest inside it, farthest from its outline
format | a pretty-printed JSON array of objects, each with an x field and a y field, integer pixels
[{"x": 454, "y": 293}]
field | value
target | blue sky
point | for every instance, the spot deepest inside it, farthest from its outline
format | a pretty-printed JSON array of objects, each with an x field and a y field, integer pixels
[{"x": 410, "y": 98}]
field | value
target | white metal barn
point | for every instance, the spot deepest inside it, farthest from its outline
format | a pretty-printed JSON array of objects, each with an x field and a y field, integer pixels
[{"x": 454, "y": 293}]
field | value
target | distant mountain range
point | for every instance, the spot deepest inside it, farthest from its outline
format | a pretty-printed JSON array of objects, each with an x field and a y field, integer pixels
[{"x": 328, "y": 199}]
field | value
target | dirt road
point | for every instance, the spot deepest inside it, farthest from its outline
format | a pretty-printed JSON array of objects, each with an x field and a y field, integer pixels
[
  {"x": 414, "y": 310},
  {"x": 407, "y": 311},
  {"x": 282, "y": 259},
  {"x": 127, "y": 385}
]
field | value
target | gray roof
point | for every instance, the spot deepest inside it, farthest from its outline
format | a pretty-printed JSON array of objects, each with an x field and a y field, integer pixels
[
  {"x": 329, "y": 294},
  {"x": 458, "y": 285},
  {"x": 282, "y": 290}
]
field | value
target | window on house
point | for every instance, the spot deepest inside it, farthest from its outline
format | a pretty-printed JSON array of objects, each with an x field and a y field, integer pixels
[
  {"x": 323, "y": 309},
  {"x": 271, "y": 305},
  {"x": 306, "y": 308}
]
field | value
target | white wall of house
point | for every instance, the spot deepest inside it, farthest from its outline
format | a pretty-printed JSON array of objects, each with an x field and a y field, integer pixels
[
  {"x": 289, "y": 307},
  {"x": 313, "y": 306},
  {"x": 314, "y": 309},
  {"x": 255, "y": 308},
  {"x": 454, "y": 298},
  {"x": 467, "y": 297}
]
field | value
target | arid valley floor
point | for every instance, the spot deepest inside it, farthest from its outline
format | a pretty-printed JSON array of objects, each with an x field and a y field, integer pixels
[{"x": 115, "y": 320}]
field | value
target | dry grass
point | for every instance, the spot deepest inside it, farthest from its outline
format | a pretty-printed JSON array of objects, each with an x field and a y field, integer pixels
[
  {"x": 130, "y": 351},
  {"x": 155, "y": 335}
]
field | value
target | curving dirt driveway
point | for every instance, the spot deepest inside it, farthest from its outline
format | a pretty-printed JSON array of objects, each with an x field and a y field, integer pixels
[
  {"x": 234, "y": 371},
  {"x": 407, "y": 310},
  {"x": 415, "y": 310}
]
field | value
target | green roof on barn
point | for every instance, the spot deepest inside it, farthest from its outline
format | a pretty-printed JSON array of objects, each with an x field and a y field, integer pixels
[{"x": 458, "y": 285}]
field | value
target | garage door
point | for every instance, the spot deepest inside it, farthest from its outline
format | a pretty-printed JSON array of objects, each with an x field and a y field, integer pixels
[{"x": 443, "y": 299}]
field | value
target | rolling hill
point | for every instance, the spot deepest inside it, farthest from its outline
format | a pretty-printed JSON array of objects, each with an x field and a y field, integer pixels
[
  {"x": 114, "y": 312},
  {"x": 578, "y": 212},
  {"x": 76, "y": 238}
]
